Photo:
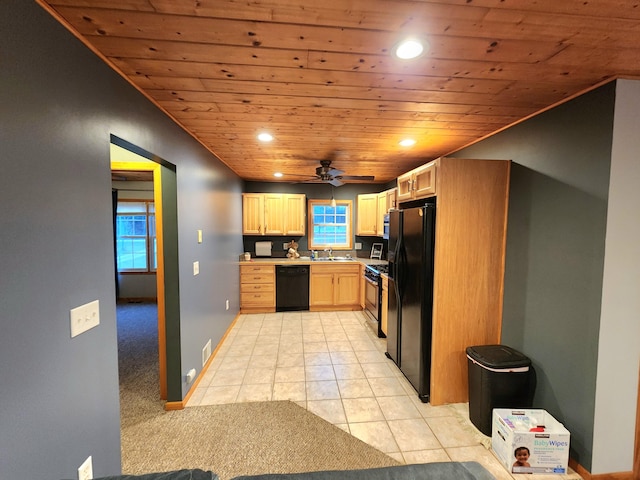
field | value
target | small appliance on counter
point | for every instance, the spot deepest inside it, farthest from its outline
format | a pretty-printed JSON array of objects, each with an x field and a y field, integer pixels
[{"x": 263, "y": 249}]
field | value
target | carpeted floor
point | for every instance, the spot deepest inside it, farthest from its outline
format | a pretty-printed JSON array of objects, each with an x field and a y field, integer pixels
[
  {"x": 245, "y": 438},
  {"x": 231, "y": 440}
]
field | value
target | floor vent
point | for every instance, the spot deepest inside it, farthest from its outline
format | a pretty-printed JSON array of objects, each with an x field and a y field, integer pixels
[{"x": 206, "y": 352}]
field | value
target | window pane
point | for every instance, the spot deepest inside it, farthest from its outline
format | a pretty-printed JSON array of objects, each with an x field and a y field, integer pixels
[
  {"x": 134, "y": 235},
  {"x": 132, "y": 207},
  {"x": 330, "y": 225},
  {"x": 132, "y": 253}
]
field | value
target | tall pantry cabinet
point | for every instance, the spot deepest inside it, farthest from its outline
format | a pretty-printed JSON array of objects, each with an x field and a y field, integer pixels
[{"x": 471, "y": 224}]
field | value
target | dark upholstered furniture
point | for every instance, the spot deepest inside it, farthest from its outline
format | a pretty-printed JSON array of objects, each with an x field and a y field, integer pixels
[{"x": 423, "y": 471}]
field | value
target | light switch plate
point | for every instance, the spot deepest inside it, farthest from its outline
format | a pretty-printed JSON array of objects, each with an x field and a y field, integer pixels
[
  {"x": 84, "y": 318},
  {"x": 199, "y": 236},
  {"x": 196, "y": 268}
]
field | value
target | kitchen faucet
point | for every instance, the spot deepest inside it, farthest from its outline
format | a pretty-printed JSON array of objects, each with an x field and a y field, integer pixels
[{"x": 330, "y": 250}]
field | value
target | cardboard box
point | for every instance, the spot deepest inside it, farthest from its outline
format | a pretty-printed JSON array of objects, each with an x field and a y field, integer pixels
[{"x": 540, "y": 442}]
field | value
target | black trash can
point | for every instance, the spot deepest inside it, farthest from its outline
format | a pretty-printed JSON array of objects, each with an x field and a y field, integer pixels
[{"x": 499, "y": 377}]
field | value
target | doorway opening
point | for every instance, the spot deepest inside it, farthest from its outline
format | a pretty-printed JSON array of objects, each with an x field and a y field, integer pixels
[{"x": 150, "y": 251}]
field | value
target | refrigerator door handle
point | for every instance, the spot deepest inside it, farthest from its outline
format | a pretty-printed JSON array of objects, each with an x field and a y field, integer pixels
[{"x": 401, "y": 271}]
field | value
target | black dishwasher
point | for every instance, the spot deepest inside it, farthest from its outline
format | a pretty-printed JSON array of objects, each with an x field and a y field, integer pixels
[{"x": 292, "y": 288}]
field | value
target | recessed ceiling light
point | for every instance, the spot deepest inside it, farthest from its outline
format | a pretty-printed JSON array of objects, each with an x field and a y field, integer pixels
[
  {"x": 277, "y": 174},
  {"x": 265, "y": 137},
  {"x": 409, "y": 49},
  {"x": 407, "y": 142}
]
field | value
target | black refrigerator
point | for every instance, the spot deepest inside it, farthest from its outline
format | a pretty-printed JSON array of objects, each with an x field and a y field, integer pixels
[{"x": 410, "y": 307}]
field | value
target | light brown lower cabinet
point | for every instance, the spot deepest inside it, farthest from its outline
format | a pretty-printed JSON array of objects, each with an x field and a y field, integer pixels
[
  {"x": 257, "y": 288},
  {"x": 333, "y": 286}
]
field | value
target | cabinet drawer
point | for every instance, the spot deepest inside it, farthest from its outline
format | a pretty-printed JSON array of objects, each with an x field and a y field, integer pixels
[
  {"x": 256, "y": 287},
  {"x": 257, "y": 278},
  {"x": 257, "y": 298},
  {"x": 254, "y": 268}
]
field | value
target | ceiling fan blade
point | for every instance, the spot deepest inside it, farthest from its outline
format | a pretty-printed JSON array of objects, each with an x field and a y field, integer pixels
[
  {"x": 363, "y": 178},
  {"x": 335, "y": 182},
  {"x": 334, "y": 172}
]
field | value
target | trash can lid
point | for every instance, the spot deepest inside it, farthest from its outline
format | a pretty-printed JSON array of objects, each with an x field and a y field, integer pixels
[{"x": 497, "y": 356}]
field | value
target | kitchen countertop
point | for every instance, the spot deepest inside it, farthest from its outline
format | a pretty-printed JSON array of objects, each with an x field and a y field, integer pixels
[{"x": 308, "y": 261}]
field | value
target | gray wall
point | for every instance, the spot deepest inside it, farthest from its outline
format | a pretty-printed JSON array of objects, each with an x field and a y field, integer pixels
[
  {"x": 60, "y": 104},
  {"x": 555, "y": 251},
  {"x": 618, "y": 346}
]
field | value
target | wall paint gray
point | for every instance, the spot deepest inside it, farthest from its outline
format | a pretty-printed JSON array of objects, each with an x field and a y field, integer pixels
[
  {"x": 60, "y": 104},
  {"x": 555, "y": 251},
  {"x": 618, "y": 345}
]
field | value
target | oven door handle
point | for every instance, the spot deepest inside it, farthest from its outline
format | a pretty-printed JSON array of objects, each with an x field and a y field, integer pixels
[{"x": 371, "y": 281}]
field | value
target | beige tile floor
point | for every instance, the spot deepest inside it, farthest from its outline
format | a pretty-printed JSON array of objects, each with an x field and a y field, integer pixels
[{"x": 333, "y": 365}]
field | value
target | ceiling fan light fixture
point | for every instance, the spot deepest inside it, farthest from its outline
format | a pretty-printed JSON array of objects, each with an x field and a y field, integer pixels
[
  {"x": 407, "y": 142},
  {"x": 265, "y": 137},
  {"x": 408, "y": 49}
]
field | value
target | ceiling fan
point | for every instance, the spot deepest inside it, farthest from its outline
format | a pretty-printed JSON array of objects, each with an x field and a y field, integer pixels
[{"x": 325, "y": 173}]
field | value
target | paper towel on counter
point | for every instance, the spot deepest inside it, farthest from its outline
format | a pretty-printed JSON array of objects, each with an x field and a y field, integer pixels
[{"x": 263, "y": 249}]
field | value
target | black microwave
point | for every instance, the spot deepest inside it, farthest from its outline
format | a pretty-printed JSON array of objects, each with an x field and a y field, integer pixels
[{"x": 385, "y": 227}]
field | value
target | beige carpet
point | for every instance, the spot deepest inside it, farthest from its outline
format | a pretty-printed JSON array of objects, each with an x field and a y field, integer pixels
[
  {"x": 231, "y": 440},
  {"x": 244, "y": 438}
]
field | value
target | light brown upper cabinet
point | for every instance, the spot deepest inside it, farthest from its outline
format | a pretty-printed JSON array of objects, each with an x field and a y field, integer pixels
[
  {"x": 295, "y": 218},
  {"x": 367, "y": 221},
  {"x": 418, "y": 183},
  {"x": 273, "y": 214},
  {"x": 382, "y": 210},
  {"x": 253, "y": 214},
  {"x": 372, "y": 208}
]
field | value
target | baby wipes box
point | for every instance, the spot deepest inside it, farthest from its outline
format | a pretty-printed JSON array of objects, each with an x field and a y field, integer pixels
[{"x": 529, "y": 441}]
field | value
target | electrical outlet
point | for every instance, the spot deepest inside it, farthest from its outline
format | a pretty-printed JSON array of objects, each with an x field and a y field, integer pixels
[
  {"x": 285, "y": 246},
  {"x": 358, "y": 246},
  {"x": 226, "y": 305},
  {"x": 196, "y": 268},
  {"x": 85, "y": 471},
  {"x": 84, "y": 318}
]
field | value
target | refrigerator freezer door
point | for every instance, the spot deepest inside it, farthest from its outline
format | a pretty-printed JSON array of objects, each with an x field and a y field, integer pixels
[
  {"x": 417, "y": 297},
  {"x": 393, "y": 319}
]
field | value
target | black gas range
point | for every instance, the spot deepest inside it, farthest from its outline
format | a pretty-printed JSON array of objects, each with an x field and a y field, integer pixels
[{"x": 373, "y": 296}]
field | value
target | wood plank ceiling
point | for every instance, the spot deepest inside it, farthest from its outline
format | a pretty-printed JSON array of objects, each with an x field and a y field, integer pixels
[{"x": 321, "y": 78}]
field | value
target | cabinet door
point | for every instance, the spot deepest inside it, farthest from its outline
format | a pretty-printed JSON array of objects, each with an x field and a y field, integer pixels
[
  {"x": 321, "y": 288},
  {"x": 404, "y": 187},
  {"x": 274, "y": 214},
  {"x": 391, "y": 198},
  {"x": 347, "y": 288},
  {"x": 424, "y": 181},
  {"x": 367, "y": 211},
  {"x": 294, "y": 207},
  {"x": 252, "y": 214},
  {"x": 381, "y": 212},
  {"x": 385, "y": 303}
]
